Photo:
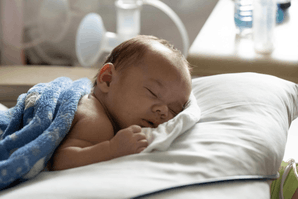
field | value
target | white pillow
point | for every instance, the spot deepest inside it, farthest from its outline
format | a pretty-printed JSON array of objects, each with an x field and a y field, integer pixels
[{"x": 244, "y": 122}]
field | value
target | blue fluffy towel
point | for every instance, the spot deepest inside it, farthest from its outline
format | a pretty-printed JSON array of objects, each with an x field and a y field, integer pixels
[{"x": 32, "y": 130}]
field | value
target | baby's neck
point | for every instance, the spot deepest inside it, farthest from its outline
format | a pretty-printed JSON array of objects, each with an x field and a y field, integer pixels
[{"x": 99, "y": 98}]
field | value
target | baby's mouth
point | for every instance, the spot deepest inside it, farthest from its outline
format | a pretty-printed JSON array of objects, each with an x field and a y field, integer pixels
[{"x": 148, "y": 123}]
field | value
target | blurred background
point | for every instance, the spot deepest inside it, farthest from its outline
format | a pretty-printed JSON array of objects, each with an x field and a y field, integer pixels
[{"x": 20, "y": 18}]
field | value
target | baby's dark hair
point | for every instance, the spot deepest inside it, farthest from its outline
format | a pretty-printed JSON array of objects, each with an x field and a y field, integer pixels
[{"x": 134, "y": 49}]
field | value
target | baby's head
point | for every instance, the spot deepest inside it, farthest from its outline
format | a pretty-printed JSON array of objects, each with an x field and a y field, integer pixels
[{"x": 145, "y": 81}]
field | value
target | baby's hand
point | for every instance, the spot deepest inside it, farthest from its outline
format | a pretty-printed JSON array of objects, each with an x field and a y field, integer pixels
[{"x": 128, "y": 141}]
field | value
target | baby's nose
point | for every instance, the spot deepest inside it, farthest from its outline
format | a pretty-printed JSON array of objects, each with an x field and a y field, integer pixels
[{"x": 162, "y": 110}]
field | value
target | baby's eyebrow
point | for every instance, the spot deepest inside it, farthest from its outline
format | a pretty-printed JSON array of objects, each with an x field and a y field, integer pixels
[{"x": 157, "y": 82}]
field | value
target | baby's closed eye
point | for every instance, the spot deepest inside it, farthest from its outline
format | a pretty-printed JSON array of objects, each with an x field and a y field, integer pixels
[
  {"x": 151, "y": 92},
  {"x": 174, "y": 112}
]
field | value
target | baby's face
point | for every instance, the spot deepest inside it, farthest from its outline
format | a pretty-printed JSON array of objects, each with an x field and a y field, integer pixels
[{"x": 151, "y": 93}]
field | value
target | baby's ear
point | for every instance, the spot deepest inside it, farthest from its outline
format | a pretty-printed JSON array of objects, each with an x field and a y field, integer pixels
[{"x": 104, "y": 77}]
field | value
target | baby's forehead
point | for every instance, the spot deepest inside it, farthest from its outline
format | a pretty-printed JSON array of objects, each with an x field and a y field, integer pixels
[
  {"x": 167, "y": 61},
  {"x": 159, "y": 50}
]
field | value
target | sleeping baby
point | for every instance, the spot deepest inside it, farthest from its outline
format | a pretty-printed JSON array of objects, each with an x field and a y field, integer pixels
[{"x": 144, "y": 82}]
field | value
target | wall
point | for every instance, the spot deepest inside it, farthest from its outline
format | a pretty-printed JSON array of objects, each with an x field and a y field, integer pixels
[{"x": 193, "y": 14}]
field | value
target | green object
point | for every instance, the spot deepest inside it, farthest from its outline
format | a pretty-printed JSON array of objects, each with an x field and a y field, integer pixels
[{"x": 290, "y": 184}]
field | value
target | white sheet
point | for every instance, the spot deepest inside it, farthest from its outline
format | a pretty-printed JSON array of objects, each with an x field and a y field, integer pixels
[{"x": 161, "y": 138}]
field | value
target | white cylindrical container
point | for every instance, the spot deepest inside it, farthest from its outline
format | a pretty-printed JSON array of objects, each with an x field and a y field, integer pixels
[
  {"x": 128, "y": 18},
  {"x": 264, "y": 19}
]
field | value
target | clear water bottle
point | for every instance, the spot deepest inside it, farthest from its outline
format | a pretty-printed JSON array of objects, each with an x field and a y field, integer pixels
[{"x": 243, "y": 16}]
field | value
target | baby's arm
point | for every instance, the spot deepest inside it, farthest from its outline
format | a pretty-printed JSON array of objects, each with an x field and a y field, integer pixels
[{"x": 77, "y": 152}]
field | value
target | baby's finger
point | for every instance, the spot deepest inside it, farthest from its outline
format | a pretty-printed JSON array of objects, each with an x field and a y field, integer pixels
[
  {"x": 141, "y": 149},
  {"x": 142, "y": 143},
  {"x": 140, "y": 136},
  {"x": 135, "y": 128}
]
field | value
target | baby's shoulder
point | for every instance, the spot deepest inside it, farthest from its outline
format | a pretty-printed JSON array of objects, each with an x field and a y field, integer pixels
[{"x": 87, "y": 108}]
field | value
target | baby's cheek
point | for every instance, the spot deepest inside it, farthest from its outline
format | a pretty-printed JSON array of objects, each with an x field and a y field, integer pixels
[{"x": 171, "y": 116}]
